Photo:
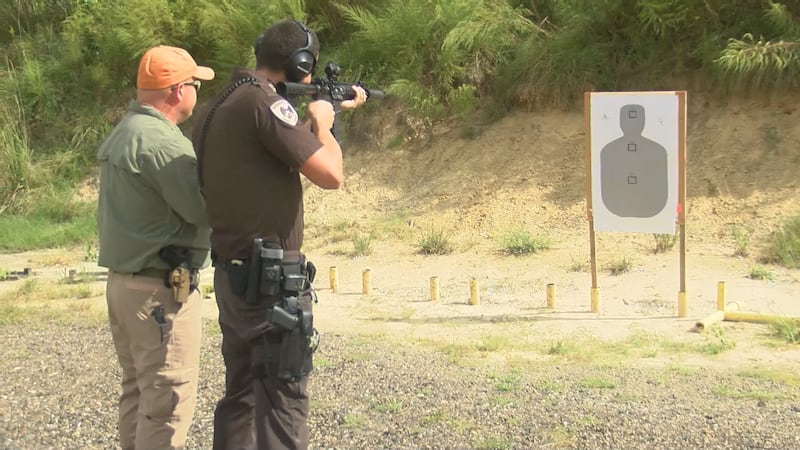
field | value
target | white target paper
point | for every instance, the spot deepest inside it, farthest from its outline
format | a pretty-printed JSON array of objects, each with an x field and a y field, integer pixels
[{"x": 634, "y": 161}]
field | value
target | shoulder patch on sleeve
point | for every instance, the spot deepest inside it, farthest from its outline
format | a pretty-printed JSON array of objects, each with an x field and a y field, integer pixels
[{"x": 284, "y": 112}]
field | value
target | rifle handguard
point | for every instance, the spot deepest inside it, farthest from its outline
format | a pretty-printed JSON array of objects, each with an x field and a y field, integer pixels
[{"x": 337, "y": 92}]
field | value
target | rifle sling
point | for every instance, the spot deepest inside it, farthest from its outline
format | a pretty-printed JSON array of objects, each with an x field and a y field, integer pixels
[{"x": 199, "y": 150}]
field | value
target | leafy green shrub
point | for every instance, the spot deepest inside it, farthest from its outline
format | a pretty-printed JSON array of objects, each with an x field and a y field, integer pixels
[
  {"x": 787, "y": 329},
  {"x": 741, "y": 241},
  {"x": 435, "y": 242},
  {"x": 522, "y": 242},
  {"x": 619, "y": 266},
  {"x": 594, "y": 45},
  {"x": 15, "y": 157},
  {"x": 785, "y": 248},
  {"x": 772, "y": 58},
  {"x": 423, "y": 50},
  {"x": 716, "y": 341},
  {"x": 664, "y": 242},
  {"x": 759, "y": 272},
  {"x": 362, "y": 244}
]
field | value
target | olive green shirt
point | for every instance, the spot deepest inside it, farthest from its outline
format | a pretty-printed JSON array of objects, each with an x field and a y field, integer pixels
[{"x": 149, "y": 194}]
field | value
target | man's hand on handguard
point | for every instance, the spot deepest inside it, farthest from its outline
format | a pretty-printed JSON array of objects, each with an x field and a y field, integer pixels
[{"x": 361, "y": 97}]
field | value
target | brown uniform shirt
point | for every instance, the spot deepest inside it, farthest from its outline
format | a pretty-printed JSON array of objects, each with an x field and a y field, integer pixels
[{"x": 253, "y": 148}]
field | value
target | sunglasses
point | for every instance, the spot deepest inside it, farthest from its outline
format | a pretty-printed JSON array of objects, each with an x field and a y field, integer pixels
[{"x": 196, "y": 84}]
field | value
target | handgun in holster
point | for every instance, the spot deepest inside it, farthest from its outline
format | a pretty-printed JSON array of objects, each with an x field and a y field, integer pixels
[
  {"x": 180, "y": 278},
  {"x": 277, "y": 281}
]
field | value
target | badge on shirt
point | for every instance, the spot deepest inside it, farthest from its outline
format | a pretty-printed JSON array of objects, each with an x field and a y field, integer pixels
[{"x": 284, "y": 112}]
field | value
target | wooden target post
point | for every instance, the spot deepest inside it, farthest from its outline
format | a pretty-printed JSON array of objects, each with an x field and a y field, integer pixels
[
  {"x": 434, "y": 284},
  {"x": 682, "y": 305},
  {"x": 595, "y": 292},
  {"x": 636, "y": 182},
  {"x": 333, "y": 276},
  {"x": 551, "y": 296},
  {"x": 366, "y": 282},
  {"x": 474, "y": 292}
]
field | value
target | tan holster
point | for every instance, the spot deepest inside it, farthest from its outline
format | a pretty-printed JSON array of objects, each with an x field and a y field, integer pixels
[{"x": 179, "y": 280}]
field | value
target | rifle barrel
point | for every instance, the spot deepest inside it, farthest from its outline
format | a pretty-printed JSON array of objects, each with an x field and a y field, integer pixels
[{"x": 287, "y": 90}]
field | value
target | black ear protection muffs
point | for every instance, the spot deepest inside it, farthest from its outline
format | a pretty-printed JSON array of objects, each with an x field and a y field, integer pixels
[{"x": 301, "y": 62}]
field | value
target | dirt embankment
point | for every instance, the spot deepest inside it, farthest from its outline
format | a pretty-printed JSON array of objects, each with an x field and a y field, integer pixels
[{"x": 528, "y": 169}]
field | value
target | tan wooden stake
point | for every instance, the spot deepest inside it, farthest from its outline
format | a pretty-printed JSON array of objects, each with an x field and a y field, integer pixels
[
  {"x": 366, "y": 282},
  {"x": 334, "y": 277},
  {"x": 683, "y": 307},
  {"x": 551, "y": 296},
  {"x": 474, "y": 292},
  {"x": 595, "y": 306},
  {"x": 434, "y": 289}
]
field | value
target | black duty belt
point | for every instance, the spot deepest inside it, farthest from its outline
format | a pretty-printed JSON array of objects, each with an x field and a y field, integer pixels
[{"x": 290, "y": 255}]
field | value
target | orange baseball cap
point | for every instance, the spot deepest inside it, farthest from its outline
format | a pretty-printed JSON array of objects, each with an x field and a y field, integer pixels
[{"x": 164, "y": 66}]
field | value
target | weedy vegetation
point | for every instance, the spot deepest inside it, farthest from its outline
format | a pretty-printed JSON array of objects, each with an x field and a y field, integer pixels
[
  {"x": 435, "y": 242},
  {"x": 741, "y": 241},
  {"x": 785, "y": 247},
  {"x": 522, "y": 242},
  {"x": 619, "y": 266},
  {"x": 664, "y": 242},
  {"x": 759, "y": 272}
]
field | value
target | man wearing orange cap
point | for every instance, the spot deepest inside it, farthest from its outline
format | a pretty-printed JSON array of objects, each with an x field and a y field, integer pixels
[{"x": 154, "y": 237}]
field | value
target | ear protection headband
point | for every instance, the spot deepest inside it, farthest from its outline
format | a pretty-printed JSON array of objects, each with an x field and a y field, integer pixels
[{"x": 301, "y": 62}]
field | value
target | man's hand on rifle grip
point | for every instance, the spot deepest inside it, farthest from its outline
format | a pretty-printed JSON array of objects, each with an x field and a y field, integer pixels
[{"x": 321, "y": 114}]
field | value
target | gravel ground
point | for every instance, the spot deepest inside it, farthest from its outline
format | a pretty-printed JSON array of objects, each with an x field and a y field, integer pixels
[{"x": 58, "y": 388}]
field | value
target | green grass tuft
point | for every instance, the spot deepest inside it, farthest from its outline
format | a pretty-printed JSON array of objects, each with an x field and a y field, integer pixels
[
  {"x": 522, "y": 242},
  {"x": 435, "y": 242},
  {"x": 759, "y": 272},
  {"x": 785, "y": 248},
  {"x": 787, "y": 330}
]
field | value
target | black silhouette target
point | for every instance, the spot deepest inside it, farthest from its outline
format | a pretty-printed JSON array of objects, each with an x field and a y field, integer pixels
[{"x": 634, "y": 181}]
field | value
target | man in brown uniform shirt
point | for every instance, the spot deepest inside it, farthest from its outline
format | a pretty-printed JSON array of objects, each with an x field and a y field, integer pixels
[{"x": 252, "y": 150}]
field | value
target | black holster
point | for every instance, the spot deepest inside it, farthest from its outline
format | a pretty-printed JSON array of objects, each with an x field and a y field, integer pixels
[
  {"x": 293, "y": 359},
  {"x": 281, "y": 280}
]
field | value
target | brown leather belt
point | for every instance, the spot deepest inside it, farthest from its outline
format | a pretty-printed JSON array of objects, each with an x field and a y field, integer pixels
[{"x": 152, "y": 273}]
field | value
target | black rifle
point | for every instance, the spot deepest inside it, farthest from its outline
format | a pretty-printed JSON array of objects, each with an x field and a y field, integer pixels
[{"x": 326, "y": 88}]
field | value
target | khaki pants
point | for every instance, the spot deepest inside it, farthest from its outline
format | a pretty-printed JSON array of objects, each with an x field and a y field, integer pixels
[
  {"x": 158, "y": 346},
  {"x": 263, "y": 412}
]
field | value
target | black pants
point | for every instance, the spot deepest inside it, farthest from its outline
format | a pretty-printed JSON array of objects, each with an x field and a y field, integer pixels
[{"x": 255, "y": 413}]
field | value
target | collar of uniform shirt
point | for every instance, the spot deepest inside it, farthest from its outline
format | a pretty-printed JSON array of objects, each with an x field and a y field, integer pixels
[{"x": 150, "y": 111}]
